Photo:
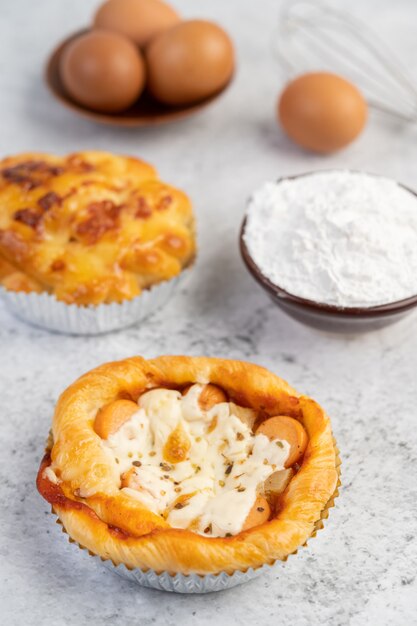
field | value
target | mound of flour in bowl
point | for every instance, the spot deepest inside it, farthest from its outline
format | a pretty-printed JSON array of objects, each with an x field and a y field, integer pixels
[{"x": 337, "y": 237}]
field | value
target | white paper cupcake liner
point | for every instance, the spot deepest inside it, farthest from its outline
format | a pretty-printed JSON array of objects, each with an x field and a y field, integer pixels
[
  {"x": 176, "y": 583},
  {"x": 193, "y": 583},
  {"x": 45, "y": 311}
]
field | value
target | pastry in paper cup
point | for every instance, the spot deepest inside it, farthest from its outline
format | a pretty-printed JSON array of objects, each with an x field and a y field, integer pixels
[
  {"x": 189, "y": 474},
  {"x": 90, "y": 242},
  {"x": 45, "y": 311}
]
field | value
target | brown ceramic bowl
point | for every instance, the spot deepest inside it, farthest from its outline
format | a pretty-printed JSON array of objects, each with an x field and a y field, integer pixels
[
  {"x": 326, "y": 316},
  {"x": 144, "y": 112}
]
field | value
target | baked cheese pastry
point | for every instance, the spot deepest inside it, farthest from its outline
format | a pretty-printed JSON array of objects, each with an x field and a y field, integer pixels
[
  {"x": 91, "y": 227},
  {"x": 188, "y": 465}
]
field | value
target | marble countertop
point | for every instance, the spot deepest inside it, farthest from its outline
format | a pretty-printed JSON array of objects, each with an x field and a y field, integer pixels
[{"x": 362, "y": 568}]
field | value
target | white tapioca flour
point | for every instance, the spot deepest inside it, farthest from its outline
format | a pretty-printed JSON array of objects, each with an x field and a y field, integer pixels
[{"x": 337, "y": 237}]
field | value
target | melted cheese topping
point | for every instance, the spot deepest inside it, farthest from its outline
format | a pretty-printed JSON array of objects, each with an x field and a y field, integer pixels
[
  {"x": 90, "y": 227},
  {"x": 49, "y": 473},
  {"x": 222, "y": 465}
]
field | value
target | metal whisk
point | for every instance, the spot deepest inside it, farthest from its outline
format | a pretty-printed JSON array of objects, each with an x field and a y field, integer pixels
[{"x": 314, "y": 36}]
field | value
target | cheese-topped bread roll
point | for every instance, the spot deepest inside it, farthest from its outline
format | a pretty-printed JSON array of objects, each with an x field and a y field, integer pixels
[
  {"x": 163, "y": 464},
  {"x": 90, "y": 227}
]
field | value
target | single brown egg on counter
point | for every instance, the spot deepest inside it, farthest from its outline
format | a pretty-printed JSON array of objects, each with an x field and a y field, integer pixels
[
  {"x": 322, "y": 112},
  {"x": 189, "y": 62},
  {"x": 139, "y": 20},
  {"x": 103, "y": 71}
]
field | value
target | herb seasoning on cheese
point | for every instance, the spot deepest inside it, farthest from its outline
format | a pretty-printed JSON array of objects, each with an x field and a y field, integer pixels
[
  {"x": 338, "y": 237},
  {"x": 199, "y": 468}
]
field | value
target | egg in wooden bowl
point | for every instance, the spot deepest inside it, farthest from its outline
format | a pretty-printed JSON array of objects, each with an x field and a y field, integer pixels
[
  {"x": 141, "y": 64},
  {"x": 189, "y": 62},
  {"x": 138, "y": 20},
  {"x": 103, "y": 71}
]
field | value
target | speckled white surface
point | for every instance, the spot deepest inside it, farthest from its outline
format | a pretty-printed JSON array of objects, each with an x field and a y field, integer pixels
[{"x": 361, "y": 569}]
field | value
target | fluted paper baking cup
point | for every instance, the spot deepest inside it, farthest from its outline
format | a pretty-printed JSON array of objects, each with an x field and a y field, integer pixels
[
  {"x": 196, "y": 583},
  {"x": 192, "y": 583},
  {"x": 45, "y": 311}
]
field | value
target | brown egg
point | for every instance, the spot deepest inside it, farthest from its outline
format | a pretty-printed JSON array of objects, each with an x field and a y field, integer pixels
[
  {"x": 322, "y": 112},
  {"x": 140, "y": 20},
  {"x": 189, "y": 62},
  {"x": 103, "y": 71}
]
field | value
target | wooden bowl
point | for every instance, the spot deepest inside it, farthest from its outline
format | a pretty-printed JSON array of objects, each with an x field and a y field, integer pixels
[{"x": 146, "y": 111}]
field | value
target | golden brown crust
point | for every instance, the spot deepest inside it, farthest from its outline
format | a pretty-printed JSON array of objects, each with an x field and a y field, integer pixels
[
  {"x": 100, "y": 517},
  {"x": 91, "y": 227},
  {"x": 14, "y": 280}
]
